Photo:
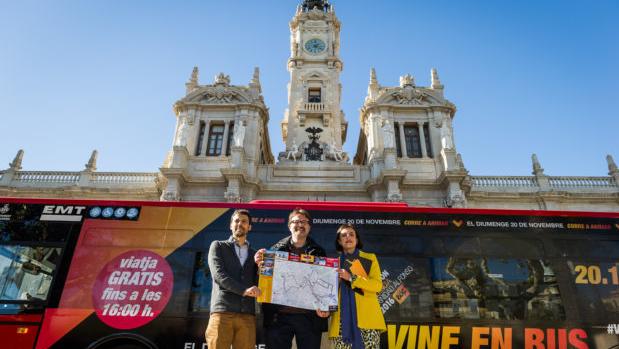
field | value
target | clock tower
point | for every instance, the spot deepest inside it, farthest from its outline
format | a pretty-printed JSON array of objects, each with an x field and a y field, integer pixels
[{"x": 314, "y": 127}]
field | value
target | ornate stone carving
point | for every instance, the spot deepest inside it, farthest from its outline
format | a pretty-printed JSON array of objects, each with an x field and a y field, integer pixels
[
  {"x": 394, "y": 197},
  {"x": 408, "y": 95},
  {"x": 455, "y": 200},
  {"x": 233, "y": 192},
  {"x": 219, "y": 94},
  {"x": 170, "y": 196}
]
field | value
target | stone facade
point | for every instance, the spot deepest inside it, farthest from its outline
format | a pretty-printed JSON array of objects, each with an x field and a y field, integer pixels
[{"x": 406, "y": 151}]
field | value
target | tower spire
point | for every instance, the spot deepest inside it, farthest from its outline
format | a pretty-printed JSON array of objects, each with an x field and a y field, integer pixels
[
  {"x": 436, "y": 82},
  {"x": 373, "y": 79},
  {"x": 192, "y": 84}
]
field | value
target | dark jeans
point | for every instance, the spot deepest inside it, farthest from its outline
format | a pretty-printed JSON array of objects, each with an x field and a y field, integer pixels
[{"x": 285, "y": 326}]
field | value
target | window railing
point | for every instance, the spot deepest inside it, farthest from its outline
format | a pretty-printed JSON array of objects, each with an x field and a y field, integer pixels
[{"x": 314, "y": 106}]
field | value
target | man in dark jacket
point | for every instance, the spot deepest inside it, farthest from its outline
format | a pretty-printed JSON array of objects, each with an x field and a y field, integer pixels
[
  {"x": 282, "y": 323},
  {"x": 233, "y": 318}
]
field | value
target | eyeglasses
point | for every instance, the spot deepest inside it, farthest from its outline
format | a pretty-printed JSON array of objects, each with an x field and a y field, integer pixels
[{"x": 299, "y": 222}]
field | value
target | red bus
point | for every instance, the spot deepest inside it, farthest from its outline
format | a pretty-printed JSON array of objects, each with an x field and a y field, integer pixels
[{"x": 120, "y": 274}]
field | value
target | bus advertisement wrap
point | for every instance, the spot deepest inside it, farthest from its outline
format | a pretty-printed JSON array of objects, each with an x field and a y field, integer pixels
[{"x": 137, "y": 276}]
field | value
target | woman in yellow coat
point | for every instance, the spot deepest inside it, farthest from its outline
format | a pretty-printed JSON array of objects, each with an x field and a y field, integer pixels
[{"x": 359, "y": 320}]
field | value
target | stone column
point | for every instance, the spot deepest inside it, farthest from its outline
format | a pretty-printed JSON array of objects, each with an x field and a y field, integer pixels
[
  {"x": 207, "y": 130},
  {"x": 422, "y": 140},
  {"x": 402, "y": 139},
  {"x": 224, "y": 146}
]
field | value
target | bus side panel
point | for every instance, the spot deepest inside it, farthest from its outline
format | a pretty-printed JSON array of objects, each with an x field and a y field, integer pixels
[{"x": 18, "y": 331}]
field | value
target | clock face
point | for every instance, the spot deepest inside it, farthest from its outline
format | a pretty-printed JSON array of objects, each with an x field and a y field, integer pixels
[{"x": 315, "y": 46}]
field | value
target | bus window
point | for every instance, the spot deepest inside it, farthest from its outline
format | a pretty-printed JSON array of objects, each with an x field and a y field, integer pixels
[
  {"x": 455, "y": 245},
  {"x": 587, "y": 248},
  {"x": 511, "y": 247},
  {"x": 393, "y": 244},
  {"x": 486, "y": 288},
  {"x": 597, "y": 286},
  {"x": 201, "y": 285},
  {"x": 407, "y": 294},
  {"x": 26, "y": 275}
]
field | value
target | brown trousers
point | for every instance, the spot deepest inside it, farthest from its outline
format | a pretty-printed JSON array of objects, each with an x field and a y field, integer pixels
[{"x": 226, "y": 329}]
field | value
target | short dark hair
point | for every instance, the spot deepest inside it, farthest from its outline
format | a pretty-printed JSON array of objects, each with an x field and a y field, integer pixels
[
  {"x": 300, "y": 211},
  {"x": 240, "y": 211},
  {"x": 338, "y": 247}
]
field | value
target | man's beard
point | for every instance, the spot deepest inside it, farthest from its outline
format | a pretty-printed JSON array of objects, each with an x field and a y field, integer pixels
[{"x": 239, "y": 234}]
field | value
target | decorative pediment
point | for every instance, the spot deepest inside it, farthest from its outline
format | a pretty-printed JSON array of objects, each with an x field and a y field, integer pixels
[
  {"x": 220, "y": 94},
  {"x": 408, "y": 95}
]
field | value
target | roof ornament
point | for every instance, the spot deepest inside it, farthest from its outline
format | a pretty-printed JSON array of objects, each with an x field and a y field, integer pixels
[
  {"x": 222, "y": 79},
  {"x": 407, "y": 80},
  {"x": 192, "y": 84},
  {"x": 92, "y": 162},
  {"x": 373, "y": 79},
  {"x": 255, "y": 80},
  {"x": 309, "y": 5},
  {"x": 537, "y": 167},
  {"x": 16, "y": 163},
  {"x": 436, "y": 82},
  {"x": 612, "y": 166},
  {"x": 194, "y": 75}
]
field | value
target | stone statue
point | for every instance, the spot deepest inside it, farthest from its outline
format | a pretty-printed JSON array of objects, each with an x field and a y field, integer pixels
[
  {"x": 182, "y": 132},
  {"x": 239, "y": 133},
  {"x": 446, "y": 136},
  {"x": 336, "y": 153},
  {"x": 388, "y": 135},
  {"x": 294, "y": 151}
]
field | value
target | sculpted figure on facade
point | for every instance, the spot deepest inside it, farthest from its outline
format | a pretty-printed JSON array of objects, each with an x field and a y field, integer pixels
[
  {"x": 388, "y": 135},
  {"x": 335, "y": 153},
  {"x": 294, "y": 152},
  {"x": 182, "y": 132},
  {"x": 239, "y": 133},
  {"x": 446, "y": 135}
]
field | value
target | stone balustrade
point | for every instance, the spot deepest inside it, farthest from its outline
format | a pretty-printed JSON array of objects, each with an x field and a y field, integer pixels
[
  {"x": 581, "y": 182},
  {"x": 85, "y": 178},
  {"x": 503, "y": 181},
  {"x": 49, "y": 177},
  {"x": 124, "y": 177},
  {"x": 314, "y": 107},
  {"x": 507, "y": 183}
]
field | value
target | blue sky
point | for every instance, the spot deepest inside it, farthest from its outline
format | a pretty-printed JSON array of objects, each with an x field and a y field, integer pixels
[{"x": 526, "y": 76}]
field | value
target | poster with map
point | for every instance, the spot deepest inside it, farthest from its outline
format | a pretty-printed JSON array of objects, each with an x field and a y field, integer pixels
[{"x": 300, "y": 281}]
